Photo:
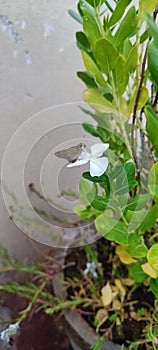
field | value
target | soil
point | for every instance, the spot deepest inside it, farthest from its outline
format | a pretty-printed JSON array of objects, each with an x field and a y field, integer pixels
[{"x": 137, "y": 300}]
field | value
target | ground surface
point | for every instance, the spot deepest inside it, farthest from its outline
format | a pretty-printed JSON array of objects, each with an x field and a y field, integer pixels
[{"x": 40, "y": 332}]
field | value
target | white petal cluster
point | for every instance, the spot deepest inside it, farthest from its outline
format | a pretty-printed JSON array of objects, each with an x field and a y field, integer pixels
[
  {"x": 9, "y": 332},
  {"x": 91, "y": 269},
  {"x": 98, "y": 164}
]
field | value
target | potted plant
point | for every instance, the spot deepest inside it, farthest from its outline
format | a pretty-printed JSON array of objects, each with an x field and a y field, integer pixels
[{"x": 119, "y": 48}]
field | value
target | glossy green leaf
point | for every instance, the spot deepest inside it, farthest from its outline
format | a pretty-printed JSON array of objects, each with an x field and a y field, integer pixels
[
  {"x": 153, "y": 61},
  {"x": 92, "y": 68},
  {"x": 103, "y": 180},
  {"x": 119, "y": 11},
  {"x": 126, "y": 28},
  {"x": 152, "y": 127},
  {"x": 106, "y": 55},
  {"x": 136, "y": 272},
  {"x": 87, "y": 79},
  {"x": 82, "y": 42},
  {"x": 150, "y": 219},
  {"x": 91, "y": 129},
  {"x": 153, "y": 182},
  {"x": 91, "y": 30}
]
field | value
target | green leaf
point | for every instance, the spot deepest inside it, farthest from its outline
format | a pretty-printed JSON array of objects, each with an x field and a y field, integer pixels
[
  {"x": 86, "y": 9},
  {"x": 153, "y": 182},
  {"x": 99, "y": 103},
  {"x": 147, "y": 5},
  {"x": 105, "y": 55},
  {"x": 144, "y": 36},
  {"x": 87, "y": 79},
  {"x": 138, "y": 202},
  {"x": 82, "y": 42},
  {"x": 127, "y": 46},
  {"x": 114, "y": 230},
  {"x": 125, "y": 178},
  {"x": 152, "y": 127},
  {"x": 153, "y": 61},
  {"x": 136, "y": 272},
  {"x": 119, "y": 11},
  {"x": 120, "y": 75},
  {"x": 154, "y": 286},
  {"x": 87, "y": 192},
  {"x": 136, "y": 219},
  {"x": 152, "y": 257},
  {"x": 137, "y": 250},
  {"x": 91, "y": 30},
  {"x": 92, "y": 68},
  {"x": 126, "y": 28},
  {"x": 153, "y": 29},
  {"x": 91, "y": 129},
  {"x": 150, "y": 219},
  {"x": 95, "y": 3},
  {"x": 75, "y": 16},
  {"x": 86, "y": 213},
  {"x": 103, "y": 180},
  {"x": 99, "y": 203},
  {"x": 132, "y": 59}
]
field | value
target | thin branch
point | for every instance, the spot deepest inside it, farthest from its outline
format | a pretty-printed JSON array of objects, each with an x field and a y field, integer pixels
[{"x": 135, "y": 111}]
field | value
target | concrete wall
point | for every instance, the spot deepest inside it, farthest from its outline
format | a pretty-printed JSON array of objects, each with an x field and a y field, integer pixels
[{"x": 38, "y": 62}]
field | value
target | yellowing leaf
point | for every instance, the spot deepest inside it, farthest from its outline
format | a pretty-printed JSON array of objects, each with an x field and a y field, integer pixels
[
  {"x": 152, "y": 257},
  {"x": 100, "y": 318},
  {"x": 120, "y": 288},
  {"x": 128, "y": 282},
  {"x": 149, "y": 270},
  {"x": 124, "y": 255},
  {"x": 106, "y": 295},
  {"x": 116, "y": 305},
  {"x": 147, "y": 5},
  {"x": 99, "y": 103}
]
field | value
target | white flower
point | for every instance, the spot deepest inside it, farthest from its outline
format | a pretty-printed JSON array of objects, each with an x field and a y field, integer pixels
[
  {"x": 91, "y": 268},
  {"x": 98, "y": 164},
  {"x": 9, "y": 332}
]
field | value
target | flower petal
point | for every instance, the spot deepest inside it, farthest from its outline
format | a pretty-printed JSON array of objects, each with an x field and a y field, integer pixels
[
  {"x": 98, "y": 149},
  {"x": 78, "y": 163},
  {"x": 98, "y": 166}
]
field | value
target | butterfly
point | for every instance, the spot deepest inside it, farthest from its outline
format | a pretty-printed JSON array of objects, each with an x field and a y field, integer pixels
[{"x": 71, "y": 154}]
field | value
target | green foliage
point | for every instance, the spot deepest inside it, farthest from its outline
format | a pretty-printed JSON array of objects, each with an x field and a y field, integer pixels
[
  {"x": 136, "y": 272},
  {"x": 125, "y": 205}
]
